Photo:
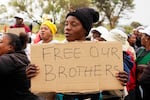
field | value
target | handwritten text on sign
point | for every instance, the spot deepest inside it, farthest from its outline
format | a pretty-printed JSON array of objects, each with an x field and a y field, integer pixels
[{"x": 77, "y": 67}]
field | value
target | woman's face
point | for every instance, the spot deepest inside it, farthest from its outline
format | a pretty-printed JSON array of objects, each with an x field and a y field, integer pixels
[
  {"x": 96, "y": 34},
  {"x": 5, "y": 47},
  {"x": 144, "y": 39},
  {"x": 73, "y": 29},
  {"x": 132, "y": 39},
  {"x": 45, "y": 34}
]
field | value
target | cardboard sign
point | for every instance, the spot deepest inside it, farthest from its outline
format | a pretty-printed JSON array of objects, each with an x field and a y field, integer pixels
[
  {"x": 16, "y": 30},
  {"x": 77, "y": 67}
]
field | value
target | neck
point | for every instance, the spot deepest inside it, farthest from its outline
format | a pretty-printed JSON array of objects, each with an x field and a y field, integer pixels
[
  {"x": 82, "y": 39},
  {"x": 21, "y": 24},
  {"x": 147, "y": 48},
  {"x": 47, "y": 41}
]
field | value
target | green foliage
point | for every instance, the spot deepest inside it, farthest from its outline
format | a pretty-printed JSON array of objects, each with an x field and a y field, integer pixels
[
  {"x": 36, "y": 28},
  {"x": 79, "y": 3},
  {"x": 135, "y": 24},
  {"x": 20, "y": 5},
  {"x": 128, "y": 29},
  {"x": 112, "y": 10}
]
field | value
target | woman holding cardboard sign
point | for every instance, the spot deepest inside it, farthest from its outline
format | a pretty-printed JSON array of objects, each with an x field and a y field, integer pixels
[{"x": 77, "y": 26}]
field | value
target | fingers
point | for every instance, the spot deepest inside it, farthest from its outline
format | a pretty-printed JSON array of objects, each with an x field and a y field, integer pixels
[
  {"x": 31, "y": 75},
  {"x": 122, "y": 77},
  {"x": 32, "y": 70}
]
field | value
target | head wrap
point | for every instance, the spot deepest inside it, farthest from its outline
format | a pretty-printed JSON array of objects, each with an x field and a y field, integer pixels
[{"x": 51, "y": 26}]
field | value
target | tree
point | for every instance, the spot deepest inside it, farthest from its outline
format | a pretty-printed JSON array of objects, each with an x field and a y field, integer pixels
[
  {"x": 2, "y": 9},
  {"x": 73, "y": 4},
  {"x": 36, "y": 8},
  {"x": 112, "y": 10},
  {"x": 135, "y": 24},
  {"x": 3, "y": 14},
  {"x": 26, "y": 7},
  {"x": 69, "y": 6},
  {"x": 57, "y": 9}
]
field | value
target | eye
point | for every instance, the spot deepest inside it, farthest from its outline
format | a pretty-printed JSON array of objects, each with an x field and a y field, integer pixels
[
  {"x": 66, "y": 23},
  {"x": 74, "y": 24}
]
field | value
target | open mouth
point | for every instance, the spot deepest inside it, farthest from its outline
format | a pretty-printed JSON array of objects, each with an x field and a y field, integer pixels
[{"x": 67, "y": 34}]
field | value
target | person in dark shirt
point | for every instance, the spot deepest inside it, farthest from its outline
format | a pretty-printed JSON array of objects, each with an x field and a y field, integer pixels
[{"x": 14, "y": 83}]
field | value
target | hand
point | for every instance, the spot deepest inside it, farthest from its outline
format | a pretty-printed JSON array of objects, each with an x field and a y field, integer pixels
[
  {"x": 122, "y": 76},
  {"x": 32, "y": 70}
]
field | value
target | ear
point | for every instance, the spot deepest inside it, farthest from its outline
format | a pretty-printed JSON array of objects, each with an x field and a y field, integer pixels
[
  {"x": 21, "y": 20},
  {"x": 147, "y": 38},
  {"x": 85, "y": 32},
  {"x": 11, "y": 48}
]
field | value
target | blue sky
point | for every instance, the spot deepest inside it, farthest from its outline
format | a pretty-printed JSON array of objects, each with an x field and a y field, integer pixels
[{"x": 141, "y": 12}]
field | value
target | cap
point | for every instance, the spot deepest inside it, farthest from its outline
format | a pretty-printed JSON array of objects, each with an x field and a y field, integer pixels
[
  {"x": 146, "y": 31},
  {"x": 120, "y": 36},
  {"x": 102, "y": 30},
  {"x": 19, "y": 16}
]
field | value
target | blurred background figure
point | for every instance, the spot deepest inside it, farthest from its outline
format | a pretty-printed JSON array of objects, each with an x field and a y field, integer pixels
[
  {"x": 132, "y": 40},
  {"x": 128, "y": 62},
  {"x": 119, "y": 35},
  {"x": 38, "y": 38},
  {"x": 96, "y": 33},
  {"x": 47, "y": 32},
  {"x": 128, "y": 56},
  {"x": 143, "y": 53},
  {"x": 138, "y": 35},
  {"x": 20, "y": 23},
  {"x": 142, "y": 90}
]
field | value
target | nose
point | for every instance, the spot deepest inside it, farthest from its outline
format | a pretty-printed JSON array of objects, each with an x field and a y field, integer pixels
[
  {"x": 42, "y": 29},
  {"x": 67, "y": 27}
]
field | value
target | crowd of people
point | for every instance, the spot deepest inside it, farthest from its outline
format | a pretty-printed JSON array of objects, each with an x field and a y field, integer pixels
[{"x": 17, "y": 71}]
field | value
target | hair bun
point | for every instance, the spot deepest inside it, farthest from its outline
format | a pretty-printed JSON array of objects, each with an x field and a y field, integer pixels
[{"x": 95, "y": 16}]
